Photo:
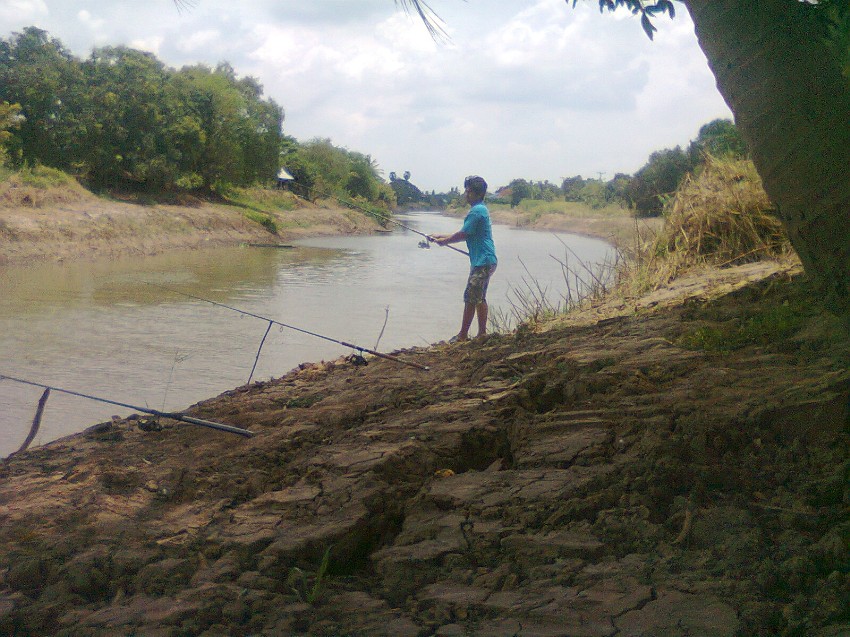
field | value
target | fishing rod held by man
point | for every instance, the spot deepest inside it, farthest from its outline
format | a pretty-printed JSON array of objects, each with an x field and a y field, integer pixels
[{"x": 390, "y": 219}]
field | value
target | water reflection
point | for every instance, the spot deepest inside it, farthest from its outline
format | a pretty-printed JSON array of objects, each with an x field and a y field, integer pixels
[{"x": 101, "y": 329}]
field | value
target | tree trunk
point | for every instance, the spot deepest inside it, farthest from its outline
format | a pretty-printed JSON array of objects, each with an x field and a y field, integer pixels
[{"x": 792, "y": 106}]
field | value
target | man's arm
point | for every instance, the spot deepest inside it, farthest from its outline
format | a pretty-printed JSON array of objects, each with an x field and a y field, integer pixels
[{"x": 444, "y": 239}]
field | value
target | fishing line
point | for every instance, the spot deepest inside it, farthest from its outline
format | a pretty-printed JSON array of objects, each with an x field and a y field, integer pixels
[
  {"x": 153, "y": 412},
  {"x": 291, "y": 327},
  {"x": 384, "y": 217}
]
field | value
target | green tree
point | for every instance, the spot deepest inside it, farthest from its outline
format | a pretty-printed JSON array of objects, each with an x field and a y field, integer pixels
[
  {"x": 324, "y": 170},
  {"x": 39, "y": 74},
  {"x": 260, "y": 132},
  {"x": 571, "y": 187},
  {"x": 616, "y": 189},
  {"x": 228, "y": 134},
  {"x": 593, "y": 194},
  {"x": 10, "y": 117},
  {"x": 405, "y": 191},
  {"x": 719, "y": 138},
  {"x": 520, "y": 189},
  {"x": 361, "y": 179},
  {"x": 658, "y": 179},
  {"x": 123, "y": 136}
]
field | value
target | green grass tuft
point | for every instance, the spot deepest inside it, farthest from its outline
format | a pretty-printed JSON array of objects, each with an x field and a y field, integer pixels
[{"x": 768, "y": 326}]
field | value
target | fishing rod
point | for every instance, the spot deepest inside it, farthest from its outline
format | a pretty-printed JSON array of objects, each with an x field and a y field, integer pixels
[
  {"x": 152, "y": 412},
  {"x": 384, "y": 217},
  {"x": 291, "y": 327}
]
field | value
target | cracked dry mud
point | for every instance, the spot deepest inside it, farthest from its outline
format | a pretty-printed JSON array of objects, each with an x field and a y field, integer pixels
[{"x": 589, "y": 479}]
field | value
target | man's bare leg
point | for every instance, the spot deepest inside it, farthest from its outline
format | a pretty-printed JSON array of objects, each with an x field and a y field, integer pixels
[
  {"x": 481, "y": 310},
  {"x": 468, "y": 314}
]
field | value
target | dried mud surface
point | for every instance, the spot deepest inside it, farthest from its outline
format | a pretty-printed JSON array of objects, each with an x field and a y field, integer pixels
[{"x": 593, "y": 478}]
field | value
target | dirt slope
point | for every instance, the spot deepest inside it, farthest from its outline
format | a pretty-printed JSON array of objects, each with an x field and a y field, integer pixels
[
  {"x": 85, "y": 226},
  {"x": 593, "y": 478}
]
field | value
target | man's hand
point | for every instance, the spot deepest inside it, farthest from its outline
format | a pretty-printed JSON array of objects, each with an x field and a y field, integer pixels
[{"x": 445, "y": 239}]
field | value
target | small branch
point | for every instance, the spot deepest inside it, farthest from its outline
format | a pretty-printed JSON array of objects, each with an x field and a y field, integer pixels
[
  {"x": 260, "y": 349},
  {"x": 36, "y": 421},
  {"x": 386, "y": 318}
]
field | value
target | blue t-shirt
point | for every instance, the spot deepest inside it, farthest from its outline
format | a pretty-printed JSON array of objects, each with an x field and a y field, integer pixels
[{"x": 479, "y": 236}]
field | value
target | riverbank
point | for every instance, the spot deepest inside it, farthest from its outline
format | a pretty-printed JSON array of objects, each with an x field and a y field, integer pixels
[
  {"x": 70, "y": 224},
  {"x": 618, "y": 228},
  {"x": 79, "y": 225},
  {"x": 665, "y": 465}
]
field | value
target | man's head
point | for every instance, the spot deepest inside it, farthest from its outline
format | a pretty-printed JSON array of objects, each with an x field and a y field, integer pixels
[{"x": 475, "y": 188}]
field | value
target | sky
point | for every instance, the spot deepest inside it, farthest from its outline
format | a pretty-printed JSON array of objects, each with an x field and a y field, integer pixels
[{"x": 532, "y": 89}]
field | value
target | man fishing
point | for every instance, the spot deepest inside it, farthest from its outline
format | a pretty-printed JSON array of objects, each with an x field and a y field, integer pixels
[{"x": 478, "y": 234}]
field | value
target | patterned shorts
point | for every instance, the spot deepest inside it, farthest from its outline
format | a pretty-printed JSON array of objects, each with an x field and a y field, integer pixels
[{"x": 476, "y": 286}]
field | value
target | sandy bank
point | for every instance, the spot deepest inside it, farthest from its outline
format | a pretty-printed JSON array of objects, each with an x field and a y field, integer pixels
[
  {"x": 91, "y": 227},
  {"x": 618, "y": 230}
]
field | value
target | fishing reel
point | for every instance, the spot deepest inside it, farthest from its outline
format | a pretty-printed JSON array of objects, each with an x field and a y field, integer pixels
[
  {"x": 357, "y": 359},
  {"x": 425, "y": 244}
]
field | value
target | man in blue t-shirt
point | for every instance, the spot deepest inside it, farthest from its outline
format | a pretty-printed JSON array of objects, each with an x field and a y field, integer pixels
[{"x": 478, "y": 234}]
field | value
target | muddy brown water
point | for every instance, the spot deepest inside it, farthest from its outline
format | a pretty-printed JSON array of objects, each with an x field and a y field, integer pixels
[{"x": 99, "y": 328}]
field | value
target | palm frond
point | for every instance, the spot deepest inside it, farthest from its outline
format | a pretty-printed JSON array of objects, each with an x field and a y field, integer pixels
[
  {"x": 183, "y": 5},
  {"x": 429, "y": 18}
]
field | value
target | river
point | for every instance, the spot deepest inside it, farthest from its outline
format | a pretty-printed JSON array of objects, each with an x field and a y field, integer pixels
[{"x": 100, "y": 328}]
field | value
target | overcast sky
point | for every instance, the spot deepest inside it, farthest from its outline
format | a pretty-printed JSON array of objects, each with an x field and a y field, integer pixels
[{"x": 523, "y": 88}]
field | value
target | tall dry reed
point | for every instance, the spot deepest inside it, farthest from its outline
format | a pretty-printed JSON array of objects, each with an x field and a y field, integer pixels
[{"x": 719, "y": 216}]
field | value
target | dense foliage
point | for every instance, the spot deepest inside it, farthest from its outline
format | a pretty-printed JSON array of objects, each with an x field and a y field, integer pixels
[
  {"x": 9, "y": 119},
  {"x": 122, "y": 119},
  {"x": 322, "y": 170}
]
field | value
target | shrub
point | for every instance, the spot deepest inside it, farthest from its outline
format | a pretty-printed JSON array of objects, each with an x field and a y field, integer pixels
[
  {"x": 263, "y": 219},
  {"x": 39, "y": 186},
  {"x": 43, "y": 177}
]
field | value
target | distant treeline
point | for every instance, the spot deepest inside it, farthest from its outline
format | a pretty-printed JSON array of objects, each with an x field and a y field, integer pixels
[
  {"x": 122, "y": 119},
  {"x": 645, "y": 193},
  {"x": 648, "y": 189}
]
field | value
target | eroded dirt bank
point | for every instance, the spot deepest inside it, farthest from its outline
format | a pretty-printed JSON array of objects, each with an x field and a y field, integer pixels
[
  {"x": 65, "y": 224},
  {"x": 594, "y": 478},
  {"x": 90, "y": 227}
]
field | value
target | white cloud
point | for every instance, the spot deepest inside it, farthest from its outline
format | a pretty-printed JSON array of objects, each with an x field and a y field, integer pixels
[
  {"x": 529, "y": 88},
  {"x": 199, "y": 41},
  {"x": 151, "y": 44},
  {"x": 15, "y": 11},
  {"x": 87, "y": 20}
]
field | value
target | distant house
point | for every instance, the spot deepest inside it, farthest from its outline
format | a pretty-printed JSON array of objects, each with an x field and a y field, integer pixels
[{"x": 284, "y": 179}]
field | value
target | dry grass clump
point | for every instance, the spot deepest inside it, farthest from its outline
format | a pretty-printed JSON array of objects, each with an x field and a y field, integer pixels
[
  {"x": 38, "y": 187},
  {"x": 718, "y": 216}
]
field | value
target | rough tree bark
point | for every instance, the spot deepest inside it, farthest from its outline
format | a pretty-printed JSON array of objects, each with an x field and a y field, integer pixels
[{"x": 792, "y": 106}]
